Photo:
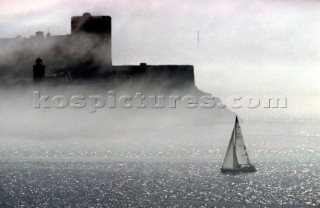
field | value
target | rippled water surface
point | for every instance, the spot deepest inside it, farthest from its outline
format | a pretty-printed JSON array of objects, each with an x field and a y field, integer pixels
[{"x": 157, "y": 167}]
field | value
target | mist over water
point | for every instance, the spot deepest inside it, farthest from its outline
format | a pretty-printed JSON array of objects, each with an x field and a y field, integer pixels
[{"x": 147, "y": 157}]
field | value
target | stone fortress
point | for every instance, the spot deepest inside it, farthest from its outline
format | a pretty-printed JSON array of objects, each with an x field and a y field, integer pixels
[{"x": 83, "y": 56}]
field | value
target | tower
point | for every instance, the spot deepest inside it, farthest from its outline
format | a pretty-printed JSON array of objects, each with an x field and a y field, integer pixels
[
  {"x": 38, "y": 71},
  {"x": 95, "y": 34}
]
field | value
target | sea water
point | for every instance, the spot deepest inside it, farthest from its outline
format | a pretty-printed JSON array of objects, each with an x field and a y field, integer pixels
[{"x": 175, "y": 167}]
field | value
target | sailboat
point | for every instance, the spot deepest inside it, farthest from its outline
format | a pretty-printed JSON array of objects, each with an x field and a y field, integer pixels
[{"x": 237, "y": 159}]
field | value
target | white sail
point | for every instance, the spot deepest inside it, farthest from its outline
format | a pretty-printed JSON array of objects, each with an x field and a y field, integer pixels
[
  {"x": 237, "y": 159},
  {"x": 230, "y": 160},
  {"x": 241, "y": 151}
]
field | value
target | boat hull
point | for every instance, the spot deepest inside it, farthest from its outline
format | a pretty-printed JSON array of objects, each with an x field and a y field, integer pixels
[{"x": 248, "y": 169}]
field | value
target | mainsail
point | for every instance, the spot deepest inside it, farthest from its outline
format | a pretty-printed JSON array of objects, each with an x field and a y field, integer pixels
[
  {"x": 236, "y": 155},
  {"x": 241, "y": 149},
  {"x": 230, "y": 160}
]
